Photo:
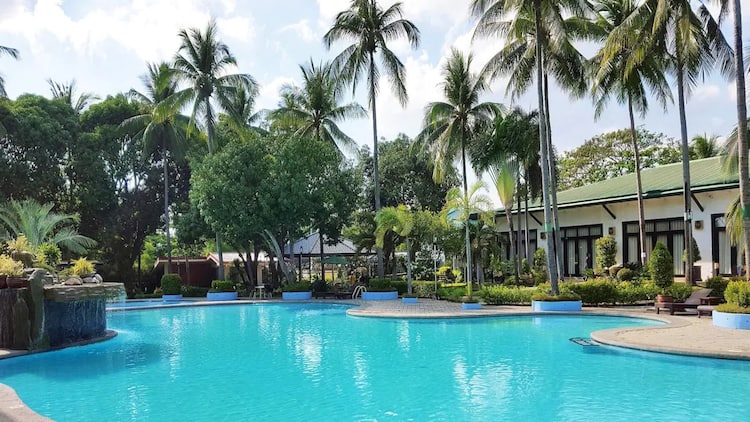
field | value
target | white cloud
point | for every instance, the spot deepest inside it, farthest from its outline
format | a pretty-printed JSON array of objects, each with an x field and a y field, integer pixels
[
  {"x": 706, "y": 92},
  {"x": 302, "y": 29},
  {"x": 268, "y": 97}
]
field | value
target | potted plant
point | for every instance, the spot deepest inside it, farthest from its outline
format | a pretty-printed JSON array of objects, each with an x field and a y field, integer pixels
[
  {"x": 171, "y": 288},
  {"x": 409, "y": 298},
  {"x": 661, "y": 268},
  {"x": 470, "y": 302},
  {"x": 9, "y": 269},
  {"x": 736, "y": 312},
  {"x": 696, "y": 269},
  {"x": 222, "y": 290},
  {"x": 380, "y": 289},
  {"x": 297, "y": 291},
  {"x": 563, "y": 302}
]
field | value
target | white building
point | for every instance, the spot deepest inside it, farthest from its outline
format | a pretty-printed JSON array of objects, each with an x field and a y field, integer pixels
[{"x": 610, "y": 208}]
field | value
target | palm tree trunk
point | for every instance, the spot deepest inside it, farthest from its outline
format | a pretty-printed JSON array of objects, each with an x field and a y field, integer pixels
[
  {"x": 210, "y": 132},
  {"x": 526, "y": 217},
  {"x": 408, "y": 266},
  {"x": 553, "y": 182},
  {"x": 742, "y": 147},
  {"x": 638, "y": 184},
  {"x": 322, "y": 265},
  {"x": 551, "y": 258},
  {"x": 513, "y": 253},
  {"x": 519, "y": 242},
  {"x": 375, "y": 170},
  {"x": 685, "y": 173},
  {"x": 166, "y": 209},
  {"x": 466, "y": 225}
]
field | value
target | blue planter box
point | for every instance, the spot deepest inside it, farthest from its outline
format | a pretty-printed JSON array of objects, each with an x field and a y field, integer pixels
[
  {"x": 221, "y": 296},
  {"x": 409, "y": 300},
  {"x": 296, "y": 295},
  {"x": 171, "y": 298},
  {"x": 379, "y": 295},
  {"x": 727, "y": 320},
  {"x": 562, "y": 306},
  {"x": 471, "y": 306}
]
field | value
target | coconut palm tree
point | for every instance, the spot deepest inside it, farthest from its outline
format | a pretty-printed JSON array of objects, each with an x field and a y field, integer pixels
[
  {"x": 612, "y": 77},
  {"x": 704, "y": 146},
  {"x": 315, "y": 107},
  {"x": 459, "y": 207},
  {"x": 452, "y": 125},
  {"x": 160, "y": 127},
  {"x": 400, "y": 221},
  {"x": 370, "y": 28},
  {"x": 40, "y": 225},
  {"x": 203, "y": 62},
  {"x": 67, "y": 93},
  {"x": 12, "y": 52}
]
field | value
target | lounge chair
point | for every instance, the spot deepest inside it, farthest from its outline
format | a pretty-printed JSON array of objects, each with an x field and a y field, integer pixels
[{"x": 692, "y": 302}]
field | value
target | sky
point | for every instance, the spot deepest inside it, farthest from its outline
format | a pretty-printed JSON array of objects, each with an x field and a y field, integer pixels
[{"x": 105, "y": 45}]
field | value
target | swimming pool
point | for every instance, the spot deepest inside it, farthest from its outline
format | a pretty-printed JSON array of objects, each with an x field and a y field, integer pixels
[
  {"x": 146, "y": 303},
  {"x": 313, "y": 362}
]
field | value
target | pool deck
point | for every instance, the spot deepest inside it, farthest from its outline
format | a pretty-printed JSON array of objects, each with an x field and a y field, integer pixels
[{"x": 684, "y": 334}]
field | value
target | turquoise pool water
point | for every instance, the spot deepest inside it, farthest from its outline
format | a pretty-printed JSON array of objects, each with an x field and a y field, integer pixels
[
  {"x": 312, "y": 362},
  {"x": 146, "y": 303}
]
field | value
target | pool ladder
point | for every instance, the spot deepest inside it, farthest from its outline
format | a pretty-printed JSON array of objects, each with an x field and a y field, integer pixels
[{"x": 584, "y": 341}]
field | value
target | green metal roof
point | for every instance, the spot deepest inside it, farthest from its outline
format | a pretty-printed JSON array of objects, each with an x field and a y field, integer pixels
[{"x": 705, "y": 175}]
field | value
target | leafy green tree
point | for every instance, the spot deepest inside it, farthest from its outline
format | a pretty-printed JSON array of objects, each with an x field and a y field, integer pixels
[
  {"x": 370, "y": 28},
  {"x": 66, "y": 92},
  {"x": 40, "y": 225},
  {"x": 615, "y": 77},
  {"x": 450, "y": 126},
  {"x": 315, "y": 108},
  {"x": 400, "y": 221},
  {"x": 611, "y": 154},
  {"x": 12, "y": 52},
  {"x": 203, "y": 61},
  {"x": 504, "y": 174}
]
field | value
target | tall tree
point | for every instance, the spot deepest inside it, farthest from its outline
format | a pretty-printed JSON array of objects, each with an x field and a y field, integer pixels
[
  {"x": 612, "y": 77},
  {"x": 704, "y": 146},
  {"x": 315, "y": 107},
  {"x": 370, "y": 28},
  {"x": 12, "y": 52},
  {"x": 450, "y": 126},
  {"x": 400, "y": 221},
  {"x": 161, "y": 128},
  {"x": 67, "y": 93},
  {"x": 204, "y": 62}
]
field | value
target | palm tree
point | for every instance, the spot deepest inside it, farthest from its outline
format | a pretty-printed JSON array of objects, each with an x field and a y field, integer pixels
[
  {"x": 371, "y": 28},
  {"x": 315, "y": 107},
  {"x": 460, "y": 205},
  {"x": 12, "y": 52},
  {"x": 204, "y": 62},
  {"x": 160, "y": 128},
  {"x": 530, "y": 27},
  {"x": 40, "y": 225},
  {"x": 67, "y": 93},
  {"x": 612, "y": 77},
  {"x": 704, "y": 146},
  {"x": 449, "y": 127},
  {"x": 400, "y": 221},
  {"x": 504, "y": 174}
]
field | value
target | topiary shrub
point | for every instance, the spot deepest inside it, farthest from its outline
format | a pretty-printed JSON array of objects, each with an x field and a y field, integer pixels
[
  {"x": 625, "y": 274},
  {"x": 717, "y": 284},
  {"x": 595, "y": 292},
  {"x": 696, "y": 252},
  {"x": 400, "y": 286},
  {"x": 502, "y": 295},
  {"x": 539, "y": 269},
  {"x": 380, "y": 285},
  {"x": 171, "y": 284},
  {"x": 661, "y": 266},
  {"x": 297, "y": 287},
  {"x": 222, "y": 286},
  {"x": 606, "y": 252},
  {"x": 193, "y": 291},
  {"x": 738, "y": 293}
]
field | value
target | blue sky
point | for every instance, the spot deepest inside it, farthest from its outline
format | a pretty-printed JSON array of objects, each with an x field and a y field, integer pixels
[{"x": 105, "y": 45}]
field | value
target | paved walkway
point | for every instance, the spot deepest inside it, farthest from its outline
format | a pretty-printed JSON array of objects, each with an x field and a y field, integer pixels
[{"x": 683, "y": 334}]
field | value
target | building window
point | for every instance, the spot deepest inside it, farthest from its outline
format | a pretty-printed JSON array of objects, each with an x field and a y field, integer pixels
[
  {"x": 504, "y": 240},
  {"x": 579, "y": 253},
  {"x": 724, "y": 256},
  {"x": 669, "y": 231}
]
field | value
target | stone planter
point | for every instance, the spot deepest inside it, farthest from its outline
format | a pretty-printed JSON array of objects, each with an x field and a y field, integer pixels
[
  {"x": 3, "y": 284},
  {"x": 561, "y": 306},
  {"x": 221, "y": 296},
  {"x": 380, "y": 295},
  {"x": 729, "y": 320},
  {"x": 171, "y": 298},
  {"x": 471, "y": 306},
  {"x": 408, "y": 300},
  {"x": 296, "y": 295},
  {"x": 17, "y": 282}
]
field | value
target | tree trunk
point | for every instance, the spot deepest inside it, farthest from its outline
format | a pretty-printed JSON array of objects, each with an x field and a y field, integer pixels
[
  {"x": 685, "y": 173},
  {"x": 322, "y": 265},
  {"x": 551, "y": 259},
  {"x": 742, "y": 146},
  {"x": 519, "y": 242},
  {"x": 553, "y": 183},
  {"x": 210, "y": 132},
  {"x": 638, "y": 185},
  {"x": 375, "y": 169},
  {"x": 513, "y": 253},
  {"x": 408, "y": 266},
  {"x": 166, "y": 208},
  {"x": 526, "y": 217},
  {"x": 466, "y": 225}
]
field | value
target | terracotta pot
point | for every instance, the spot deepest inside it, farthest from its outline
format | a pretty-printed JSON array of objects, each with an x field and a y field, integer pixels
[
  {"x": 664, "y": 299},
  {"x": 17, "y": 282},
  {"x": 3, "y": 284}
]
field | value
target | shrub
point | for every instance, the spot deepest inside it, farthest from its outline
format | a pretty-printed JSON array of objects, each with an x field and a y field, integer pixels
[
  {"x": 82, "y": 267},
  {"x": 192, "y": 291},
  {"x": 297, "y": 287},
  {"x": 733, "y": 309},
  {"x": 49, "y": 254},
  {"x": 661, "y": 266},
  {"x": 319, "y": 286},
  {"x": 171, "y": 284},
  {"x": 595, "y": 292},
  {"x": 606, "y": 252},
  {"x": 469, "y": 299},
  {"x": 400, "y": 286},
  {"x": 540, "y": 265},
  {"x": 679, "y": 291},
  {"x": 452, "y": 294},
  {"x": 738, "y": 293},
  {"x": 717, "y": 285},
  {"x": 629, "y": 293},
  {"x": 424, "y": 288},
  {"x": 625, "y": 274},
  {"x": 222, "y": 286},
  {"x": 380, "y": 285},
  {"x": 10, "y": 267},
  {"x": 502, "y": 295},
  {"x": 696, "y": 252},
  {"x": 523, "y": 280},
  {"x": 544, "y": 297}
]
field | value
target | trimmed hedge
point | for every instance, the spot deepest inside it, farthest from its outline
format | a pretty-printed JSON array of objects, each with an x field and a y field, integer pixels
[
  {"x": 503, "y": 295},
  {"x": 192, "y": 291},
  {"x": 738, "y": 293},
  {"x": 171, "y": 284},
  {"x": 222, "y": 286},
  {"x": 380, "y": 285}
]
